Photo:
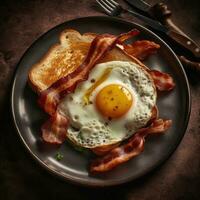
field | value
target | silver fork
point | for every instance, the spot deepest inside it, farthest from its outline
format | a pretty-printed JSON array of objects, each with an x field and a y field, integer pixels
[{"x": 112, "y": 8}]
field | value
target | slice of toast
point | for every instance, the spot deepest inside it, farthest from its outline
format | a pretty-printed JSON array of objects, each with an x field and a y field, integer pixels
[
  {"x": 65, "y": 57},
  {"x": 60, "y": 59}
]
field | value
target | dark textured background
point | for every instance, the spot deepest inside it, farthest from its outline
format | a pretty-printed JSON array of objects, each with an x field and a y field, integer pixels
[{"x": 21, "y": 23}]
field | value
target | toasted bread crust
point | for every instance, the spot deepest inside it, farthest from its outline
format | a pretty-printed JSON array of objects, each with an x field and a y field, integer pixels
[{"x": 33, "y": 83}]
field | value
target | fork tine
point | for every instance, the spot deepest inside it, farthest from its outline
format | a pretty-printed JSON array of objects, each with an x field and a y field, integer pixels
[
  {"x": 109, "y": 2},
  {"x": 114, "y": 2},
  {"x": 104, "y": 7}
]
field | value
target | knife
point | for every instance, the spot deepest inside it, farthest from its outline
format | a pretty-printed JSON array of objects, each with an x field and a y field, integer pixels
[
  {"x": 160, "y": 10},
  {"x": 140, "y": 5}
]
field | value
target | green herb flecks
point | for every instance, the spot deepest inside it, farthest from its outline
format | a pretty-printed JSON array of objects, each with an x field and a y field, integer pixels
[{"x": 59, "y": 156}]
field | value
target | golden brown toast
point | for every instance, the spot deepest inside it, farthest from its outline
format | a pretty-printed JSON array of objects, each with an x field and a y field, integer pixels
[
  {"x": 60, "y": 59},
  {"x": 65, "y": 57}
]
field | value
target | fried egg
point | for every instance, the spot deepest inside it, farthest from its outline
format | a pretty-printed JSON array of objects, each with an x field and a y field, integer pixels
[{"x": 111, "y": 105}]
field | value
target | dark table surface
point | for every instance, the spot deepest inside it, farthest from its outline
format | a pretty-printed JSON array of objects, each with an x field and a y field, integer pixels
[{"x": 21, "y": 23}]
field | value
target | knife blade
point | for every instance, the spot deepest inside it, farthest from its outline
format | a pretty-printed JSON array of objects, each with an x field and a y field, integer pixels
[
  {"x": 140, "y": 4},
  {"x": 150, "y": 22},
  {"x": 174, "y": 33}
]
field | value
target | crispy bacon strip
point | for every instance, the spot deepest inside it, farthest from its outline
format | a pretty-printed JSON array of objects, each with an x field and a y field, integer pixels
[
  {"x": 54, "y": 129},
  {"x": 50, "y": 98},
  {"x": 132, "y": 148},
  {"x": 163, "y": 81},
  {"x": 141, "y": 49}
]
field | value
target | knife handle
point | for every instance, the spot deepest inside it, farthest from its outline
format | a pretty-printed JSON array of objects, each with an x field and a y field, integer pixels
[
  {"x": 161, "y": 12},
  {"x": 185, "y": 42}
]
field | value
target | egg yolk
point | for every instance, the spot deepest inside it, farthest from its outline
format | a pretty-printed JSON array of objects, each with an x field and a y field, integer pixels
[
  {"x": 105, "y": 75},
  {"x": 113, "y": 101}
]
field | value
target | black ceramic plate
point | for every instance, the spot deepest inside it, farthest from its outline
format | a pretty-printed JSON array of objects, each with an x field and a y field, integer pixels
[{"x": 73, "y": 167}]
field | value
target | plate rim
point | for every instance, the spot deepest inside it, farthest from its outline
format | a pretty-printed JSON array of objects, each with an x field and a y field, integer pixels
[{"x": 70, "y": 178}]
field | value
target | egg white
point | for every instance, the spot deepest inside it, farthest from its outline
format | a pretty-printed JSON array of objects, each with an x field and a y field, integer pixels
[{"x": 88, "y": 128}]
